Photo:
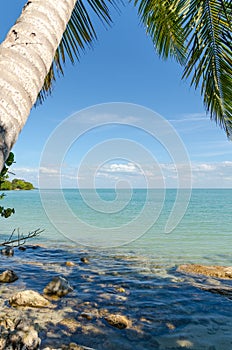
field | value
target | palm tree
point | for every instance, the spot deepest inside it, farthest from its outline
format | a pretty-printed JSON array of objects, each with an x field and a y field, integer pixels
[
  {"x": 196, "y": 32},
  {"x": 46, "y": 31}
]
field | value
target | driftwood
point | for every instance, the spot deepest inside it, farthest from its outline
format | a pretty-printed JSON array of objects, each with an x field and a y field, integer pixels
[{"x": 16, "y": 239}]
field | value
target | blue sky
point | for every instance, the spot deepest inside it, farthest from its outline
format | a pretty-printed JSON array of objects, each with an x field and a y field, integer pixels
[{"x": 122, "y": 67}]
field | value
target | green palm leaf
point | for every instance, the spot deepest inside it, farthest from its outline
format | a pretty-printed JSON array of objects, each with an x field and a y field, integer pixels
[
  {"x": 78, "y": 35},
  {"x": 163, "y": 22},
  {"x": 202, "y": 29},
  {"x": 209, "y": 60}
]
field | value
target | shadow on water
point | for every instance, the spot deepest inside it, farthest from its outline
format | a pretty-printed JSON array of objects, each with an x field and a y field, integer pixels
[{"x": 166, "y": 309}]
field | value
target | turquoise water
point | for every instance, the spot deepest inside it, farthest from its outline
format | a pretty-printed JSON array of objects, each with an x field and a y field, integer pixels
[
  {"x": 168, "y": 310},
  {"x": 204, "y": 233}
]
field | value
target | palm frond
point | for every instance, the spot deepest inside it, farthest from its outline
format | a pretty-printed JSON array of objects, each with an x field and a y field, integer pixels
[
  {"x": 163, "y": 22},
  {"x": 209, "y": 62},
  {"x": 202, "y": 29},
  {"x": 78, "y": 35}
]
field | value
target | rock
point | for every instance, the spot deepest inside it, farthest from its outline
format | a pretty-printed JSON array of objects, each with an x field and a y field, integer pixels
[
  {"x": 117, "y": 321},
  {"x": 211, "y": 271},
  {"x": 74, "y": 346},
  {"x": 120, "y": 290},
  {"x": 85, "y": 260},
  {"x": 170, "y": 326},
  {"x": 58, "y": 286},
  {"x": 24, "y": 337},
  {"x": 228, "y": 271},
  {"x": 8, "y": 276},
  {"x": 226, "y": 291},
  {"x": 8, "y": 251},
  {"x": 71, "y": 324},
  {"x": 19, "y": 337},
  {"x": 87, "y": 315},
  {"x": 35, "y": 246},
  {"x": 70, "y": 263},
  {"x": 29, "y": 298},
  {"x": 21, "y": 247},
  {"x": 6, "y": 323}
]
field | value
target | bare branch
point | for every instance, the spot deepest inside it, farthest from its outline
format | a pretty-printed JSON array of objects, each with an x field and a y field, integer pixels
[{"x": 20, "y": 239}]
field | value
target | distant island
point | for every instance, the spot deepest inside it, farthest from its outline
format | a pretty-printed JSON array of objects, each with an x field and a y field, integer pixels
[{"x": 16, "y": 184}]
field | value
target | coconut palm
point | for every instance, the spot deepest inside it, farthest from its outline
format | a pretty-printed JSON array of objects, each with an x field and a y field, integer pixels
[
  {"x": 196, "y": 32},
  {"x": 46, "y": 32}
]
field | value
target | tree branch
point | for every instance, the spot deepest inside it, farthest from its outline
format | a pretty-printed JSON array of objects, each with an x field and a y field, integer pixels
[{"x": 21, "y": 239}]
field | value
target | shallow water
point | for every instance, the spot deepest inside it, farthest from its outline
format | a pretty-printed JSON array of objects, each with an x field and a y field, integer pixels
[{"x": 168, "y": 310}]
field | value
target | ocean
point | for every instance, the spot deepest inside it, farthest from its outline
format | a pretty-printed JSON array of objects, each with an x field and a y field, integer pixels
[{"x": 124, "y": 235}]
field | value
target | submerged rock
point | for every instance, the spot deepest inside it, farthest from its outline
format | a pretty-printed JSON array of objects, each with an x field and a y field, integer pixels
[
  {"x": 211, "y": 271},
  {"x": 117, "y": 321},
  {"x": 120, "y": 290},
  {"x": 71, "y": 346},
  {"x": 71, "y": 324},
  {"x": 88, "y": 315},
  {"x": 29, "y": 298},
  {"x": 74, "y": 346},
  {"x": 8, "y": 276},
  {"x": 58, "y": 286},
  {"x": 225, "y": 291},
  {"x": 21, "y": 247},
  {"x": 85, "y": 260},
  {"x": 8, "y": 251}
]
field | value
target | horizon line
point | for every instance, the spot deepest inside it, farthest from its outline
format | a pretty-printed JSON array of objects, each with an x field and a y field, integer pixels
[{"x": 136, "y": 188}]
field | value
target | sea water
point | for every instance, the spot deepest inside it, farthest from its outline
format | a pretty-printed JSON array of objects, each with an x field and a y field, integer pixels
[
  {"x": 169, "y": 310},
  {"x": 203, "y": 234}
]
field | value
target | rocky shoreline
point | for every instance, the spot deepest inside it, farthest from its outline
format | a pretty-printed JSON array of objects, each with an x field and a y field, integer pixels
[
  {"x": 26, "y": 314},
  {"x": 47, "y": 320},
  {"x": 222, "y": 272}
]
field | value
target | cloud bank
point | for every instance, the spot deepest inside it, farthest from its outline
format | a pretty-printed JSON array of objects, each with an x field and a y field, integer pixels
[{"x": 204, "y": 175}]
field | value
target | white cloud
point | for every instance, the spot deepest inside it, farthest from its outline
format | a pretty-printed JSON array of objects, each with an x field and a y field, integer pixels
[
  {"x": 93, "y": 119},
  {"x": 120, "y": 168},
  {"x": 24, "y": 170},
  {"x": 212, "y": 167},
  {"x": 50, "y": 171},
  {"x": 227, "y": 163},
  {"x": 204, "y": 175},
  {"x": 190, "y": 117},
  {"x": 214, "y": 175},
  {"x": 203, "y": 167}
]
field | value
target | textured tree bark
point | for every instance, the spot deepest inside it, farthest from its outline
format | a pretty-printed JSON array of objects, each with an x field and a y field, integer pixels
[{"x": 25, "y": 58}]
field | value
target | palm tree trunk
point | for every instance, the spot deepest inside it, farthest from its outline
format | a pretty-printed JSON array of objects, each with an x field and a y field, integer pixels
[{"x": 25, "y": 58}]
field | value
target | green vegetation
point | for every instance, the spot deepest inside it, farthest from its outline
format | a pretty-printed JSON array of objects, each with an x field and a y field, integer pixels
[
  {"x": 16, "y": 184},
  {"x": 7, "y": 185},
  {"x": 198, "y": 34},
  {"x": 6, "y": 212}
]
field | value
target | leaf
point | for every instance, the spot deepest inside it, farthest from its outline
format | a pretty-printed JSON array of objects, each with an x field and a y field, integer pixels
[
  {"x": 163, "y": 22},
  {"x": 6, "y": 213},
  {"x": 209, "y": 62},
  {"x": 198, "y": 34},
  {"x": 10, "y": 159}
]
